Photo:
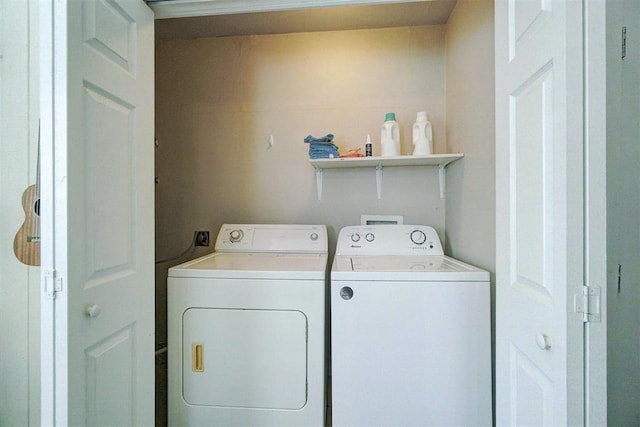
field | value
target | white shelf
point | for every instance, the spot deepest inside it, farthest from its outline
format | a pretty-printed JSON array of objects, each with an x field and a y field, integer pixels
[{"x": 439, "y": 160}]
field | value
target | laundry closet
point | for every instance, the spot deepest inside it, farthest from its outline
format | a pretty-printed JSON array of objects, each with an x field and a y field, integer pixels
[
  {"x": 206, "y": 174},
  {"x": 236, "y": 94}
]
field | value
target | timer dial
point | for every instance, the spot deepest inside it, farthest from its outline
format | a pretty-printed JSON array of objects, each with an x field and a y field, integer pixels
[
  {"x": 236, "y": 235},
  {"x": 418, "y": 237}
]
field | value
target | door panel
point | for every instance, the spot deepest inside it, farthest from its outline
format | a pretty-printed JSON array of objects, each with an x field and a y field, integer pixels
[
  {"x": 110, "y": 30},
  {"x": 111, "y": 367},
  {"x": 539, "y": 175},
  {"x": 528, "y": 379},
  {"x": 531, "y": 116},
  {"x": 109, "y": 150},
  {"x": 102, "y": 114}
]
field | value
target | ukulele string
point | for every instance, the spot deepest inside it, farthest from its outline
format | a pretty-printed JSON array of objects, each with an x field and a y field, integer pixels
[{"x": 35, "y": 226}]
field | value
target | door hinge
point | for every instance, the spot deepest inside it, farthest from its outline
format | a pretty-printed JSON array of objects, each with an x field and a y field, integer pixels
[
  {"x": 588, "y": 303},
  {"x": 52, "y": 283},
  {"x": 624, "y": 42}
]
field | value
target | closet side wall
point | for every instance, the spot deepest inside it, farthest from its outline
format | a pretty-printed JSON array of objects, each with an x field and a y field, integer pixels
[
  {"x": 470, "y": 130},
  {"x": 471, "y": 185}
]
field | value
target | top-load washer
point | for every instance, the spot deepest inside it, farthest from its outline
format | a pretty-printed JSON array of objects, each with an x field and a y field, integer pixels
[
  {"x": 246, "y": 329},
  {"x": 410, "y": 331}
]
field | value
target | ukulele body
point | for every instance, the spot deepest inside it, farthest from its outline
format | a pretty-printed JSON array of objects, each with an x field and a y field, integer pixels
[{"x": 26, "y": 244}]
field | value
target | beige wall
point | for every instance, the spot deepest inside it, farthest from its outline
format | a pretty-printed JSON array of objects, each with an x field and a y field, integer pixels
[
  {"x": 471, "y": 130},
  {"x": 219, "y": 99},
  {"x": 19, "y": 284}
]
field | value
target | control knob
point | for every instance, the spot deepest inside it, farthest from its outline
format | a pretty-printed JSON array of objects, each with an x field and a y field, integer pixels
[
  {"x": 418, "y": 237},
  {"x": 369, "y": 237},
  {"x": 236, "y": 235},
  {"x": 355, "y": 237}
]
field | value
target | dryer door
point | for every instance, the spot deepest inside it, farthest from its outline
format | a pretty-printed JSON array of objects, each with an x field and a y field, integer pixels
[{"x": 245, "y": 358}]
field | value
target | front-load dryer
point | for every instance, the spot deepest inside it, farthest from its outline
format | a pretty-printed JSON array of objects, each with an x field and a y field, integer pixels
[
  {"x": 246, "y": 329},
  {"x": 410, "y": 331}
]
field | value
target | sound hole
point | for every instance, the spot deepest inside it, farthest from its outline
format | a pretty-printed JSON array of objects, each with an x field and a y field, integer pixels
[{"x": 36, "y": 207}]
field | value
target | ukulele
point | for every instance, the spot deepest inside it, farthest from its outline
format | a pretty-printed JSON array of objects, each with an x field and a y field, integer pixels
[{"x": 26, "y": 244}]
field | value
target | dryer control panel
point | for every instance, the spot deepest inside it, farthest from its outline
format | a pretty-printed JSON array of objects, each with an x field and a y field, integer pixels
[
  {"x": 283, "y": 238},
  {"x": 389, "y": 240}
]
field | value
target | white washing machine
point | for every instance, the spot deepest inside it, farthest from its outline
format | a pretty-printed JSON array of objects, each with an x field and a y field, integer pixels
[
  {"x": 246, "y": 329},
  {"x": 410, "y": 331}
]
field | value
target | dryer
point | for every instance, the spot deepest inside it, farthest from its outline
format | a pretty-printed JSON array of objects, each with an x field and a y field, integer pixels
[
  {"x": 246, "y": 329},
  {"x": 410, "y": 331}
]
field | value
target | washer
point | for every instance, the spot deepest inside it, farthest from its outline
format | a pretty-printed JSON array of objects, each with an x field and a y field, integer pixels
[
  {"x": 246, "y": 329},
  {"x": 410, "y": 331}
]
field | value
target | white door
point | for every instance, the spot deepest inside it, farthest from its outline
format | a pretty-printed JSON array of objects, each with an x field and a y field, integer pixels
[
  {"x": 98, "y": 257},
  {"x": 539, "y": 241}
]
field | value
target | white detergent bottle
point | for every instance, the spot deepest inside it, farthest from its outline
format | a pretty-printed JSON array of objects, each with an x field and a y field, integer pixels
[
  {"x": 422, "y": 135},
  {"x": 390, "y": 136}
]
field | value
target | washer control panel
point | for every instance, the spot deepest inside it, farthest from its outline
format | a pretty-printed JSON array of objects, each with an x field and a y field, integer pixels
[
  {"x": 392, "y": 239},
  {"x": 272, "y": 238}
]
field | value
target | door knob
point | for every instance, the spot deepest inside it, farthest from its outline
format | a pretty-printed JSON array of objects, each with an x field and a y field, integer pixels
[
  {"x": 93, "y": 310},
  {"x": 543, "y": 342}
]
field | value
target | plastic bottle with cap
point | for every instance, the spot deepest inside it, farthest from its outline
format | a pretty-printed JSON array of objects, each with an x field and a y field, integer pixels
[
  {"x": 422, "y": 135},
  {"x": 390, "y": 136},
  {"x": 367, "y": 147}
]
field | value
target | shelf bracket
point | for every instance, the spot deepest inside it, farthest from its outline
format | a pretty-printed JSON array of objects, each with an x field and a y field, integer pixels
[
  {"x": 442, "y": 175},
  {"x": 379, "y": 180},
  {"x": 319, "y": 183}
]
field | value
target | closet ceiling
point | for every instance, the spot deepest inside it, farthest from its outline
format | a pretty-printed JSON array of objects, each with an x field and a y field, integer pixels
[{"x": 306, "y": 20}]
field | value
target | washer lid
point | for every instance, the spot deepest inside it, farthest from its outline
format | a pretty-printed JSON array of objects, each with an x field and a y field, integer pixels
[
  {"x": 405, "y": 267},
  {"x": 254, "y": 266}
]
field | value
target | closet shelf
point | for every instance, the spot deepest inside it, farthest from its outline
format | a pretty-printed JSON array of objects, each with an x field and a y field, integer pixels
[{"x": 439, "y": 160}]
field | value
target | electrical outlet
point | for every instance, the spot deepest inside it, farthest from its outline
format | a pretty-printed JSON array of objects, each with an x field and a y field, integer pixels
[{"x": 202, "y": 238}]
